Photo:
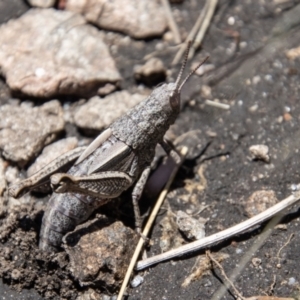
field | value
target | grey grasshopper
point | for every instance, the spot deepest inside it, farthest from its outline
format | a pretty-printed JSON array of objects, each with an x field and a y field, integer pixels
[{"x": 118, "y": 158}]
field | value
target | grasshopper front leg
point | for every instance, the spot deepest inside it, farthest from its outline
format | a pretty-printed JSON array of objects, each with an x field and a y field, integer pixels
[
  {"x": 43, "y": 176},
  {"x": 170, "y": 150}
]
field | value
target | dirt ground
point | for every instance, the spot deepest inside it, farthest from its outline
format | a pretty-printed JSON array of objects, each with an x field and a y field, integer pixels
[{"x": 247, "y": 42}]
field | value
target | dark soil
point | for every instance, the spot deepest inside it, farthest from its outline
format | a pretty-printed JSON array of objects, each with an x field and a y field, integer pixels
[{"x": 262, "y": 87}]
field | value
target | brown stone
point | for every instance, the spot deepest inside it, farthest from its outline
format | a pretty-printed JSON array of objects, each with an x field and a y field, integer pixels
[
  {"x": 137, "y": 18},
  {"x": 25, "y": 130},
  {"x": 47, "y": 52}
]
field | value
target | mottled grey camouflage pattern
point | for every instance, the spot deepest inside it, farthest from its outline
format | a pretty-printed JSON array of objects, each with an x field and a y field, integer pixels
[{"x": 141, "y": 129}]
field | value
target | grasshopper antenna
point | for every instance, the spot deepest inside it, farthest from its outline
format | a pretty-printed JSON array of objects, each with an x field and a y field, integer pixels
[
  {"x": 191, "y": 73},
  {"x": 183, "y": 65}
]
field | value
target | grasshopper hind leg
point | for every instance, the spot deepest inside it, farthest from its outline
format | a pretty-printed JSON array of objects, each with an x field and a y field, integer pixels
[{"x": 42, "y": 177}]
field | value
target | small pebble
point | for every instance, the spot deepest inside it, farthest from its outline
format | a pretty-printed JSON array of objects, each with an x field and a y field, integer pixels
[
  {"x": 292, "y": 281},
  {"x": 191, "y": 227},
  {"x": 243, "y": 44},
  {"x": 269, "y": 77},
  {"x": 287, "y": 117},
  {"x": 295, "y": 187},
  {"x": 253, "y": 108},
  {"x": 256, "y": 261},
  {"x": 168, "y": 36},
  {"x": 136, "y": 281},
  {"x": 259, "y": 152},
  {"x": 231, "y": 21},
  {"x": 151, "y": 73},
  {"x": 206, "y": 91},
  {"x": 256, "y": 79},
  {"x": 15, "y": 274}
]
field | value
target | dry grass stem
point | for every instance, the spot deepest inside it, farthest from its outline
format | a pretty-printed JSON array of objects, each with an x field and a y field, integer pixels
[
  {"x": 217, "y": 104},
  {"x": 286, "y": 243},
  {"x": 191, "y": 35},
  {"x": 238, "y": 294},
  {"x": 149, "y": 223},
  {"x": 212, "y": 4},
  {"x": 172, "y": 24},
  {"x": 222, "y": 235}
]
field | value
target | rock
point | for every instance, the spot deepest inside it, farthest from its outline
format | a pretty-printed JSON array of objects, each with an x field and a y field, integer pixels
[
  {"x": 48, "y": 52},
  {"x": 259, "y": 201},
  {"x": 5, "y": 94},
  {"x": 2, "y": 177},
  {"x": 42, "y": 3},
  {"x": 3, "y": 186},
  {"x": 170, "y": 237},
  {"x": 192, "y": 228},
  {"x": 138, "y": 18},
  {"x": 10, "y": 9},
  {"x": 100, "y": 252},
  {"x": 12, "y": 174},
  {"x": 151, "y": 73},
  {"x": 51, "y": 152},
  {"x": 137, "y": 281},
  {"x": 98, "y": 113},
  {"x": 90, "y": 294},
  {"x": 106, "y": 89},
  {"x": 24, "y": 130},
  {"x": 260, "y": 152}
]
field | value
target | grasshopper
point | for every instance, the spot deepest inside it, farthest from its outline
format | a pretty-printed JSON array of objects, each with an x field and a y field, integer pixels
[{"x": 118, "y": 158}]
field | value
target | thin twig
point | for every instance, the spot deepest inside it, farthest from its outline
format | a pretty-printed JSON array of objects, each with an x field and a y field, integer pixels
[
  {"x": 257, "y": 244},
  {"x": 285, "y": 244},
  {"x": 172, "y": 24},
  {"x": 217, "y": 104},
  {"x": 191, "y": 35},
  {"x": 222, "y": 235},
  {"x": 149, "y": 224},
  {"x": 238, "y": 294},
  {"x": 204, "y": 26},
  {"x": 271, "y": 288}
]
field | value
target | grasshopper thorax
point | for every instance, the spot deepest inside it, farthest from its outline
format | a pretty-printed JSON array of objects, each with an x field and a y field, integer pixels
[{"x": 146, "y": 124}]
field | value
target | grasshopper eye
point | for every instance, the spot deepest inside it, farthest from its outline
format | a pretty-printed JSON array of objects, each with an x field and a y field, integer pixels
[{"x": 175, "y": 101}]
